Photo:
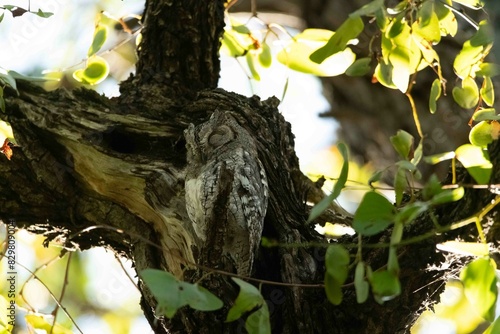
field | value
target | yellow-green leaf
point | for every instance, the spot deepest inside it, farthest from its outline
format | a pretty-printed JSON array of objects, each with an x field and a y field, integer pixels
[
  {"x": 97, "y": 70},
  {"x": 480, "y": 286},
  {"x": 484, "y": 133},
  {"x": 477, "y": 162},
  {"x": 349, "y": 30},
  {"x": 360, "y": 67},
  {"x": 487, "y": 91},
  {"x": 468, "y": 95},
  {"x": 435, "y": 94},
  {"x": 100, "y": 35},
  {"x": 464, "y": 248}
]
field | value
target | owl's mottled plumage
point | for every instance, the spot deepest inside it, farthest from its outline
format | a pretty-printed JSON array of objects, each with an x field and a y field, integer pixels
[{"x": 225, "y": 177}]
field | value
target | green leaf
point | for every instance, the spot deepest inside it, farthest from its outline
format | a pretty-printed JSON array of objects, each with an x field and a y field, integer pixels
[
  {"x": 480, "y": 287},
  {"x": 437, "y": 158},
  {"x": 337, "y": 267},
  {"x": 360, "y": 284},
  {"x": 468, "y": 61},
  {"x": 337, "y": 262},
  {"x": 265, "y": 56},
  {"x": 477, "y": 162},
  {"x": 410, "y": 212},
  {"x": 375, "y": 177},
  {"x": 100, "y": 36},
  {"x": 296, "y": 55},
  {"x": 369, "y": 8},
  {"x": 258, "y": 322},
  {"x": 319, "y": 208},
  {"x": 435, "y": 94},
  {"x": 173, "y": 294},
  {"x": 487, "y": 114},
  {"x": 231, "y": 45},
  {"x": 427, "y": 25},
  {"x": 383, "y": 74},
  {"x": 464, "y": 248},
  {"x": 494, "y": 328},
  {"x": 418, "y": 153},
  {"x": 487, "y": 91},
  {"x": 447, "y": 20},
  {"x": 250, "y": 56},
  {"x": 360, "y": 67},
  {"x": 431, "y": 188},
  {"x": 349, "y": 30},
  {"x": 43, "y": 14},
  {"x": 97, "y": 70},
  {"x": 468, "y": 96},
  {"x": 1, "y": 16},
  {"x": 248, "y": 299},
  {"x": 333, "y": 289},
  {"x": 488, "y": 70},
  {"x": 385, "y": 285},
  {"x": 448, "y": 195},
  {"x": 400, "y": 184},
  {"x": 7, "y": 78},
  {"x": 374, "y": 214},
  {"x": 402, "y": 143},
  {"x": 484, "y": 133},
  {"x": 2, "y": 101}
]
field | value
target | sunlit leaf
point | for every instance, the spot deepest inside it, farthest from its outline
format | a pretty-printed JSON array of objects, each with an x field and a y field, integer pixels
[
  {"x": 468, "y": 95},
  {"x": 435, "y": 94},
  {"x": 97, "y": 70},
  {"x": 487, "y": 114},
  {"x": 487, "y": 91},
  {"x": 494, "y": 328},
  {"x": 477, "y": 162},
  {"x": 447, "y": 20},
  {"x": 37, "y": 323},
  {"x": 100, "y": 36},
  {"x": 453, "y": 309},
  {"x": 250, "y": 57},
  {"x": 484, "y": 133},
  {"x": 296, "y": 55},
  {"x": 349, "y": 30},
  {"x": 427, "y": 26},
  {"x": 234, "y": 44},
  {"x": 468, "y": 61},
  {"x": 480, "y": 286},
  {"x": 385, "y": 285},
  {"x": 464, "y": 248},
  {"x": 437, "y": 158},
  {"x": 265, "y": 56},
  {"x": 360, "y": 284},
  {"x": 374, "y": 214},
  {"x": 383, "y": 74},
  {"x": 173, "y": 294}
]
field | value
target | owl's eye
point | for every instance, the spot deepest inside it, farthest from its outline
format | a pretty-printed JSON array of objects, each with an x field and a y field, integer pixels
[{"x": 220, "y": 136}]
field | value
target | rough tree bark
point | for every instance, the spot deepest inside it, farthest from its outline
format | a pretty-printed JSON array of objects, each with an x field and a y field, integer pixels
[{"x": 85, "y": 160}]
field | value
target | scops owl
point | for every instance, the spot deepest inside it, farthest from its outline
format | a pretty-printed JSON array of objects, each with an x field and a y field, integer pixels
[{"x": 226, "y": 189}]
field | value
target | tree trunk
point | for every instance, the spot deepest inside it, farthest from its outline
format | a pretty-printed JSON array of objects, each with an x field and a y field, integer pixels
[{"x": 91, "y": 171}]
